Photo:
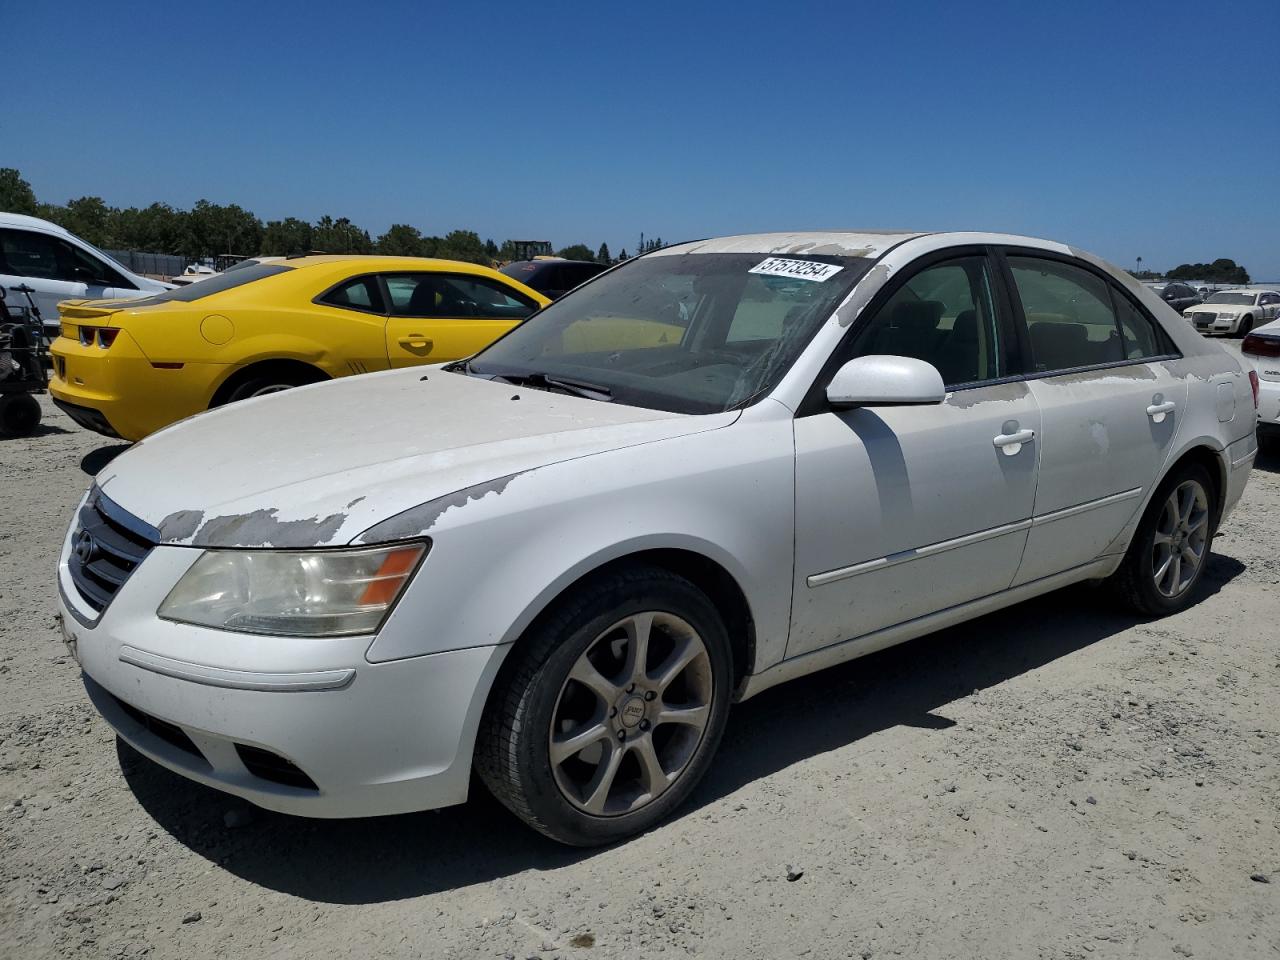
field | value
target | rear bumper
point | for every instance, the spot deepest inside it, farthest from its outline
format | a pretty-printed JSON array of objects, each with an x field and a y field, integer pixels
[
  {"x": 87, "y": 417},
  {"x": 1268, "y": 406},
  {"x": 118, "y": 392},
  {"x": 1240, "y": 456}
]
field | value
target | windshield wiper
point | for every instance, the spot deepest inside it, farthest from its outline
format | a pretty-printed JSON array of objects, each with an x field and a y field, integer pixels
[{"x": 579, "y": 388}]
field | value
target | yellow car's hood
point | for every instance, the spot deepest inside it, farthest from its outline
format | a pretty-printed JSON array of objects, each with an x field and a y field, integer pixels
[{"x": 319, "y": 465}]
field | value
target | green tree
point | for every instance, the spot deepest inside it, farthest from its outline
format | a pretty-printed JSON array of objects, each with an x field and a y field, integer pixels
[
  {"x": 213, "y": 229},
  {"x": 340, "y": 236},
  {"x": 622, "y": 255},
  {"x": 16, "y": 195},
  {"x": 464, "y": 245},
  {"x": 87, "y": 217},
  {"x": 1220, "y": 271},
  {"x": 158, "y": 228},
  {"x": 602, "y": 255},
  {"x": 491, "y": 250},
  {"x": 401, "y": 240},
  {"x": 283, "y": 237},
  {"x": 578, "y": 251}
]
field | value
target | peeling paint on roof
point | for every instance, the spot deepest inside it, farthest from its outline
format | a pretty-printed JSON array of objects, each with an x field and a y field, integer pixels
[{"x": 863, "y": 243}]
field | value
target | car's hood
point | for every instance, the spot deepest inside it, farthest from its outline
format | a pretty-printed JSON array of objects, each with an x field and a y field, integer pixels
[{"x": 320, "y": 464}]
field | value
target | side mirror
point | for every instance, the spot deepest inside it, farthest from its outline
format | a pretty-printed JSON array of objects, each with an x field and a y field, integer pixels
[{"x": 882, "y": 381}]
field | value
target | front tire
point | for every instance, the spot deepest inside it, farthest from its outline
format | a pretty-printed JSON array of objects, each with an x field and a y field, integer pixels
[
  {"x": 1171, "y": 546},
  {"x": 611, "y": 708},
  {"x": 1244, "y": 327}
]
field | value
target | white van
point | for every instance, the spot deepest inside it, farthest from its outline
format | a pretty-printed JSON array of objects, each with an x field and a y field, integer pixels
[{"x": 59, "y": 266}]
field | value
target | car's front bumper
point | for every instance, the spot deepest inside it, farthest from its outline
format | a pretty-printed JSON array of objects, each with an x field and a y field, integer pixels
[
  {"x": 342, "y": 737},
  {"x": 1210, "y": 323}
]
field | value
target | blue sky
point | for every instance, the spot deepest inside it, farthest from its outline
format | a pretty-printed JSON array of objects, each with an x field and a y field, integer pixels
[{"x": 1135, "y": 129}]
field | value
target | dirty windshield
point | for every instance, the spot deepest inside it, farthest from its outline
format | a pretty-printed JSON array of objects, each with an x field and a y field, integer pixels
[{"x": 691, "y": 333}]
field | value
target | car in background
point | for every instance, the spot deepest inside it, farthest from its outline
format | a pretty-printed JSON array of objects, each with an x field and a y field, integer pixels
[
  {"x": 57, "y": 265},
  {"x": 553, "y": 277},
  {"x": 1262, "y": 349},
  {"x": 126, "y": 368},
  {"x": 1234, "y": 312},
  {"x": 553, "y": 567},
  {"x": 1178, "y": 295}
]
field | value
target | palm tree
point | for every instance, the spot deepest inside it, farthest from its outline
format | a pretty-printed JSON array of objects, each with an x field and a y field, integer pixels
[{"x": 1139, "y": 264}]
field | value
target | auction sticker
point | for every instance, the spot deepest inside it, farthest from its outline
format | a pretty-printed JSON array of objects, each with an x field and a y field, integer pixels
[{"x": 797, "y": 269}]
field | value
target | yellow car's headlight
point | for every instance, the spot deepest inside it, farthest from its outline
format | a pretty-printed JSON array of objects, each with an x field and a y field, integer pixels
[{"x": 322, "y": 593}]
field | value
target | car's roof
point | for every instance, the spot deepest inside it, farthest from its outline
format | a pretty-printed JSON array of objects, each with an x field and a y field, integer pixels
[
  {"x": 381, "y": 262},
  {"x": 22, "y": 220},
  {"x": 840, "y": 243},
  {"x": 554, "y": 262}
]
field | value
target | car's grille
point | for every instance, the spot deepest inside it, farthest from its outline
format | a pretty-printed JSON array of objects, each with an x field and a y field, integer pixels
[{"x": 106, "y": 547}]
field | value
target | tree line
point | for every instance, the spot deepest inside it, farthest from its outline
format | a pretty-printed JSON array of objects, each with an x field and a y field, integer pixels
[{"x": 209, "y": 229}]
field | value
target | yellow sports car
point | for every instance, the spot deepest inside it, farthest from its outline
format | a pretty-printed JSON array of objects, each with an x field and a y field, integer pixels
[{"x": 126, "y": 368}]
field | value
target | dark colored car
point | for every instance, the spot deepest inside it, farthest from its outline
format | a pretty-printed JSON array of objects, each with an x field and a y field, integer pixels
[
  {"x": 1179, "y": 295},
  {"x": 552, "y": 278}
]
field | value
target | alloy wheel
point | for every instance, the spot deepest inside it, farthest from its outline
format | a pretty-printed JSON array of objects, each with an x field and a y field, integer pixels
[
  {"x": 630, "y": 714},
  {"x": 1181, "y": 538}
]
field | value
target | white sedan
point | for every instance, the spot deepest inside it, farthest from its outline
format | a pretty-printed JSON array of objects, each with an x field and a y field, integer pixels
[
  {"x": 707, "y": 471},
  {"x": 1262, "y": 349},
  {"x": 1234, "y": 312}
]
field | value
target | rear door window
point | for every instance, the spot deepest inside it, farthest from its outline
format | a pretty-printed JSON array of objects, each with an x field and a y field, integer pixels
[{"x": 1069, "y": 316}]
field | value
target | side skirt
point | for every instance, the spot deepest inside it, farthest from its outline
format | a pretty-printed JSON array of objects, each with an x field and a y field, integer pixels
[{"x": 869, "y": 643}]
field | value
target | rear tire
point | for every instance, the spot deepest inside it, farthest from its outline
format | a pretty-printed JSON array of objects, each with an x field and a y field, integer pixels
[
  {"x": 19, "y": 414},
  {"x": 581, "y": 743},
  {"x": 268, "y": 381},
  {"x": 1171, "y": 546}
]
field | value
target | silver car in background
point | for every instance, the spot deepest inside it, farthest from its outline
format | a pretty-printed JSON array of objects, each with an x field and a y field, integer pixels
[{"x": 707, "y": 471}]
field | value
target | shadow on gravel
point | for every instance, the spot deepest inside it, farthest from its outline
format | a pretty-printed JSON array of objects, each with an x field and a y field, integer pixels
[
  {"x": 392, "y": 858},
  {"x": 1269, "y": 457},
  {"x": 95, "y": 460},
  {"x": 41, "y": 430}
]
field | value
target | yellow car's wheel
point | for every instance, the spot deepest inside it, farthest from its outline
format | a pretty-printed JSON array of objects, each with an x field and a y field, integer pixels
[{"x": 264, "y": 378}]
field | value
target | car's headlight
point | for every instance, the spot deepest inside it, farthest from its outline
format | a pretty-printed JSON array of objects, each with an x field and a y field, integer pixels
[
  {"x": 322, "y": 593},
  {"x": 1226, "y": 316}
]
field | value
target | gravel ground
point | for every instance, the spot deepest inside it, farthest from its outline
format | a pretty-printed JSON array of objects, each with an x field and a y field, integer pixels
[{"x": 1056, "y": 780}]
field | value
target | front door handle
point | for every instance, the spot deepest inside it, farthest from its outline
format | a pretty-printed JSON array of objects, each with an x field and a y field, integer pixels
[
  {"x": 1010, "y": 444},
  {"x": 1157, "y": 410},
  {"x": 416, "y": 341},
  {"x": 1015, "y": 439}
]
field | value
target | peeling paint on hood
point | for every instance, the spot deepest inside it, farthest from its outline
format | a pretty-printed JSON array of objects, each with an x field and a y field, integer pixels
[{"x": 317, "y": 465}]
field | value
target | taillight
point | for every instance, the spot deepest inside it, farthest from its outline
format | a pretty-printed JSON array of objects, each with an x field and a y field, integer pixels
[
  {"x": 1253, "y": 385},
  {"x": 1257, "y": 346},
  {"x": 107, "y": 336}
]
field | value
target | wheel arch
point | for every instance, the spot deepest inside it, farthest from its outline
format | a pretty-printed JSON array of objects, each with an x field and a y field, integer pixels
[
  {"x": 1211, "y": 458},
  {"x": 707, "y": 574},
  {"x": 261, "y": 367}
]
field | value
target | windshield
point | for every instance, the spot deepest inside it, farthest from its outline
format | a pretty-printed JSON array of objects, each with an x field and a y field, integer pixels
[
  {"x": 1239, "y": 299},
  {"x": 689, "y": 333}
]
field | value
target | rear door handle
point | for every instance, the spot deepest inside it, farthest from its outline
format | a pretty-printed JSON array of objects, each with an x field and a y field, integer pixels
[
  {"x": 1157, "y": 410},
  {"x": 1011, "y": 443}
]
